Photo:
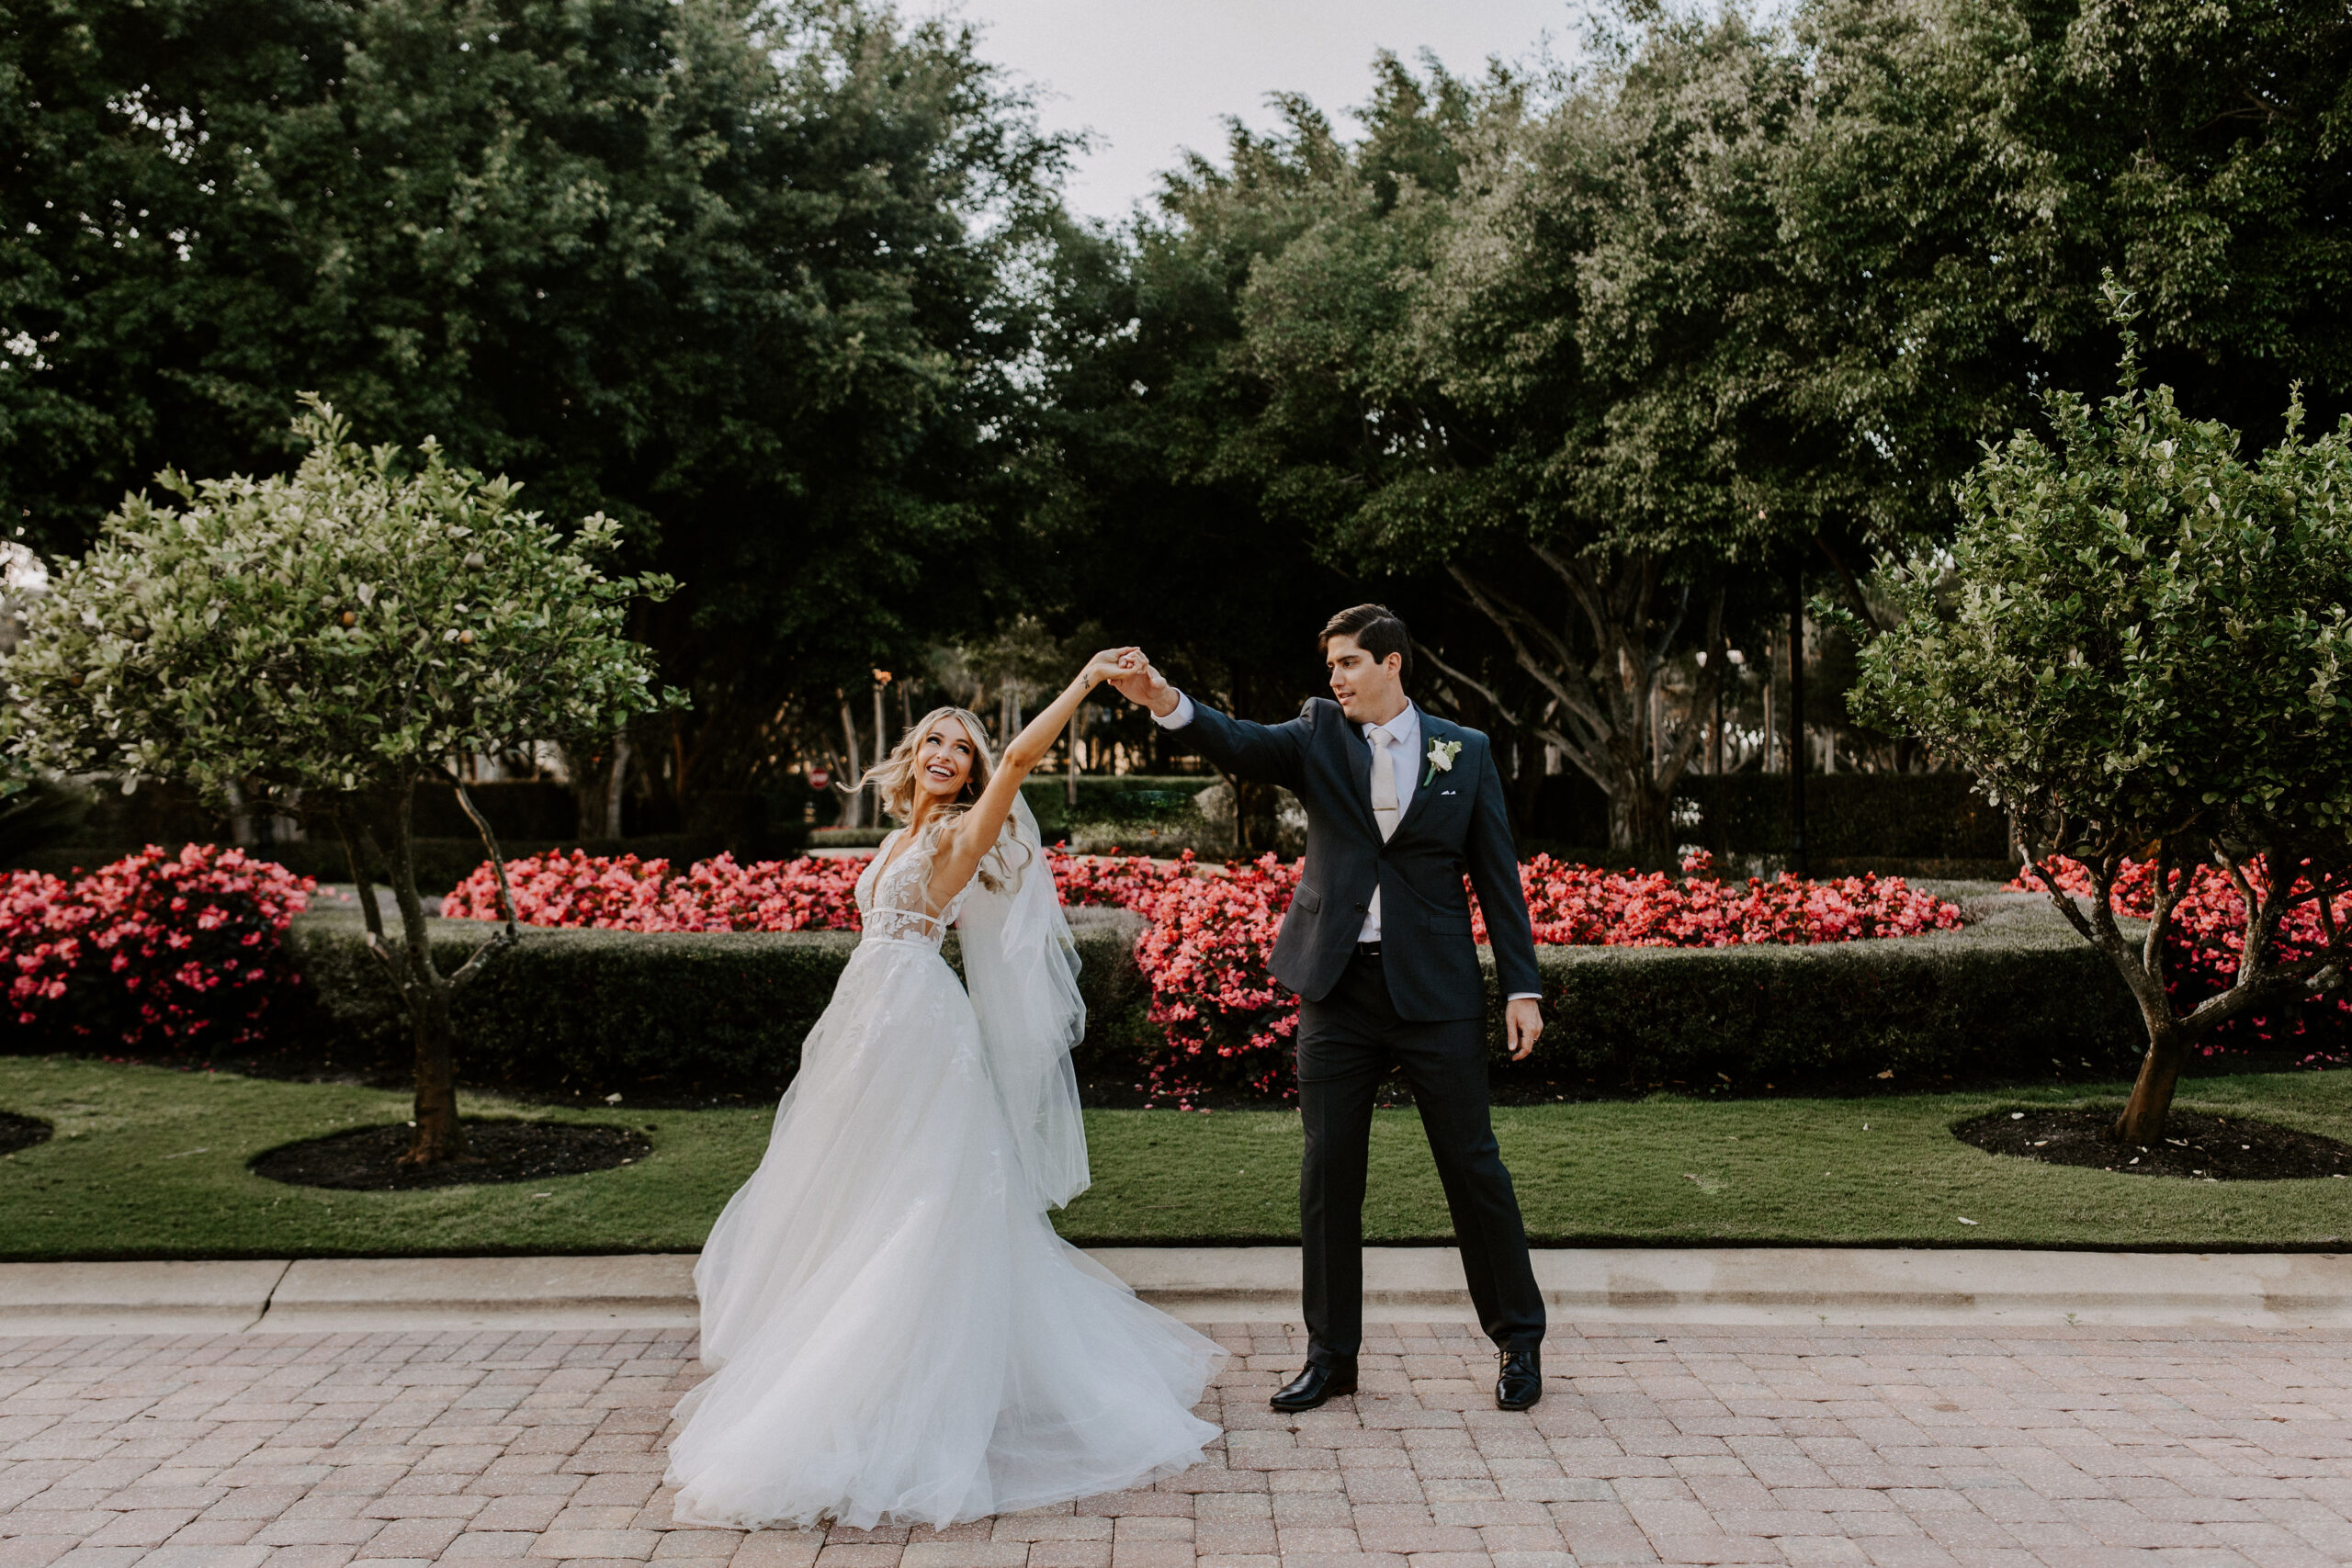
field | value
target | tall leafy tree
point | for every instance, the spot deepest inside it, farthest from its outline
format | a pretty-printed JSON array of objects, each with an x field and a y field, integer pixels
[
  {"x": 1738, "y": 303},
  {"x": 331, "y": 637},
  {"x": 740, "y": 274},
  {"x": 2140, "y": 652},
  {"x": 1505, "y": 349}
]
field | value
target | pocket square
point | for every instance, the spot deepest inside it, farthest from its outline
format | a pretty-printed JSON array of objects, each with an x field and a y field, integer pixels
[{"x": 1449, "y": 792}]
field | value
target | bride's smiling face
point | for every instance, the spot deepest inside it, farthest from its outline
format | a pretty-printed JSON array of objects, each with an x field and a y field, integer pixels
[{"x": 943, "y": 761}]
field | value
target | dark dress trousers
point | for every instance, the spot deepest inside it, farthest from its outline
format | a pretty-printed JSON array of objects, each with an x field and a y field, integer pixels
[{"x": 1416, "y": 1006}]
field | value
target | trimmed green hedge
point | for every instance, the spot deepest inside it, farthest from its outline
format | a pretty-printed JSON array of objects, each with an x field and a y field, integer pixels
[
  {"x": 1872, "y": 819},
  {"x": 595, "y": 1012},
  {"x": 1151, "y": 804},
  {"x": 1115, "y": 797},
  {"x": 2007, "y": 995},
  {"x": 847, "y": 838},
  {"x": 1907, "y": 817}
]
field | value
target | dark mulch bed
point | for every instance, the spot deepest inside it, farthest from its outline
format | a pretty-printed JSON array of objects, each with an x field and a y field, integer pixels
[
  {"x": 21, "y": 1132},
  {"x": 367, "y": 1158},
  {"x": 2199, "y": 1146}
]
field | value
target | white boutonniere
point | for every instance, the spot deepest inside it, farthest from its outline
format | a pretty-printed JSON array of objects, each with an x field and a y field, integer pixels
[{"x": 1441, "y": 755}]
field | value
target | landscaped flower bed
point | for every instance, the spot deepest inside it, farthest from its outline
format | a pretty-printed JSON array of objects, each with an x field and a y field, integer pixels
[
  {"x": 2207, "y": 935},
  {"x": 163, "y": 953},
  {"x": 1578, "y": 906},
  {"x": 625, "y": 893},
  {"x": 154, "y": 952},
  {"x": 1207, "y": 948}
]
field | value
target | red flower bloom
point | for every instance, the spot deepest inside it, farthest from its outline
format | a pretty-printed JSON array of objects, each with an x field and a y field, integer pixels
[{"x": 155, "y": 951}]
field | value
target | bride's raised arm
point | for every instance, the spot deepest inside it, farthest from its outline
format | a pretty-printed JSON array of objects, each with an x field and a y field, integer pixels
[{"x": 976, "y": 832}]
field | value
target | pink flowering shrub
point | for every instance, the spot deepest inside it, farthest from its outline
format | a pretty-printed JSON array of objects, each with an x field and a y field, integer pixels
[
  {"x": 812, "y": 893},
  {"x": 156, "y": 952},
  {"x": 625, "y": 893},
  {"x": 2207, "y": 936},
  {"x": 1206, "y": 955},
  {"x": 1578, "y": 906},
  {"x": 1132, "y": 882}
]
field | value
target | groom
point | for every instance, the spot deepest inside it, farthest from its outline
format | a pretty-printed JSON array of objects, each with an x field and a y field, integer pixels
[{"x": 1399, "y": 803}]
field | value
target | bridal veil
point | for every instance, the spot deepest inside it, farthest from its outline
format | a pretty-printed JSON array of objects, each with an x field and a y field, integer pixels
[{"x": 1021, "y": 966}]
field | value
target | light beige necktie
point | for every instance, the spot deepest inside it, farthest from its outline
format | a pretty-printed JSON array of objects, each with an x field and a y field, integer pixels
[{"x": 1386, "y": 809}]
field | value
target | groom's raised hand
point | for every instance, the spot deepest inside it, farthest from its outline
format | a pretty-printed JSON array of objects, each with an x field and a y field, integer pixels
[
  {"x": 1134, "y": 682},
  {"x": 1146, "y": 687}
]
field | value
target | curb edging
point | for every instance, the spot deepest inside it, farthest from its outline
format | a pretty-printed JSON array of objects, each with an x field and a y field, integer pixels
[{"x": 1796, "y": 1286}]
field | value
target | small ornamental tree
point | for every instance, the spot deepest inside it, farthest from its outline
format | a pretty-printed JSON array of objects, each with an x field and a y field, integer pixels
[
  {"x": 328, "y": 641},
  {"x": 2140, "y": 646}
]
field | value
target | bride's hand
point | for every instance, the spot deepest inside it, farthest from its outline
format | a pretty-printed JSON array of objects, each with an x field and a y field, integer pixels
[{"x": 1110, "y": 663}]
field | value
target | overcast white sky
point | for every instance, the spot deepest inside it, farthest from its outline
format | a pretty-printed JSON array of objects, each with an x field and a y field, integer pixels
[{"x": 1153, "y": 76}]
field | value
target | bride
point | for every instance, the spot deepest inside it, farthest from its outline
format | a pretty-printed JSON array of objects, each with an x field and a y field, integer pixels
[{"x": 896, "y": 1332}]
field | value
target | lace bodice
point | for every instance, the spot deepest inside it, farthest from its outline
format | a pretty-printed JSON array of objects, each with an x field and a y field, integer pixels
[{"x": 894, "y": 904}]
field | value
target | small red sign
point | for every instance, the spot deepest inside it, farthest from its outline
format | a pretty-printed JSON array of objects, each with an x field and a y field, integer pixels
[{"x": 820, "y": 778}]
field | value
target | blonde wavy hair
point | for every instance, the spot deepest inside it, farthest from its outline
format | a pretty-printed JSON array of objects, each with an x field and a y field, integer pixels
[{"x": 895, "y": 777}]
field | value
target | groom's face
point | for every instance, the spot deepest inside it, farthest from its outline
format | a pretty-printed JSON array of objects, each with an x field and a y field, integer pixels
[{"x": 1368, "y": 691}]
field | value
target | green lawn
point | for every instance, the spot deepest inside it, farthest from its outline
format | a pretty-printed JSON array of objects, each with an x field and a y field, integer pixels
[{"x": 151, "y": 1163}]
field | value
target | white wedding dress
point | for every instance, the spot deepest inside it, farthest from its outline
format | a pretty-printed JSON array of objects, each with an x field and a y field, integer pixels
[{"x": 897, "y": 1335}]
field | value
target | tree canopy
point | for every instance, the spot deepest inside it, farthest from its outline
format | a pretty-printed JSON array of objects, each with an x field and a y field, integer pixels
[
  {"x": 336, "y": 633},
  {"x": 1583, "y": 364},
  {"x": 1574, "y": 366},
  {"x": 745, "y": 276}
]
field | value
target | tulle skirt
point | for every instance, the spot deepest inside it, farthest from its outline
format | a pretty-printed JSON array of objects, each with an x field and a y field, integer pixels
[{"x": 897, "y": 1335}]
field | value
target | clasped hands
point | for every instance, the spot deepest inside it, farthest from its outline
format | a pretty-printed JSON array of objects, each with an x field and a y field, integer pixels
[
  {"x": 1133, "y": 674},
  {"x": 1139, "y": 680}
]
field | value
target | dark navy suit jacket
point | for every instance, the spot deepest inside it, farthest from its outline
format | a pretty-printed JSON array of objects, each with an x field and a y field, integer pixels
[{"x": 1456, "y": 823}]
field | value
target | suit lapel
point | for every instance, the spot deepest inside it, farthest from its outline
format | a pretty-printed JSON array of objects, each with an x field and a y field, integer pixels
[{"x": 1432, "y": 729}]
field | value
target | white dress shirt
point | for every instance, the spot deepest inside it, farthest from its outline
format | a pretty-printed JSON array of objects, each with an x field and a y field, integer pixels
[{"x": 1404, "y": 758}]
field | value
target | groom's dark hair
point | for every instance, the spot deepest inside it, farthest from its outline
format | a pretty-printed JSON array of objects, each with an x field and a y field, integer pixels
[{"x": 1376, "y": 629}]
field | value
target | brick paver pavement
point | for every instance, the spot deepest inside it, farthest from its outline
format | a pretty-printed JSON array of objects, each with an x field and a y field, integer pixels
[{"x": 1899, "y": 1448}]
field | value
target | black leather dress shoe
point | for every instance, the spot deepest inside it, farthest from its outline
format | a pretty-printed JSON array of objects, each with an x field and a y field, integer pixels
[
  {"x": 1314, "y": 1385},
  {"x": 1522, "y": 1383}
]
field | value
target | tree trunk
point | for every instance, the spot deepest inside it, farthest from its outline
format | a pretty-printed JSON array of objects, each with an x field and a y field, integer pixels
[
  {"x": 2142, "y": 1121},
  {"x": 438, "y": 1135},
  {"x": 1601, "y": 663},
  {"x": 616, "y": 786},
  {"x": 240, "y": 817},
  {"x": 1254, "y": 816},
  {"x": 1800, "y": 859},
  {"x": 425, "y": 994},
  {"x": 1254, "y": 804},
  {"x": 1641, "y": 816},
  {"x": 587, "y": 789},
  {"x": 853, "y": 793},
  {"x": 1523, "y": 790}
]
